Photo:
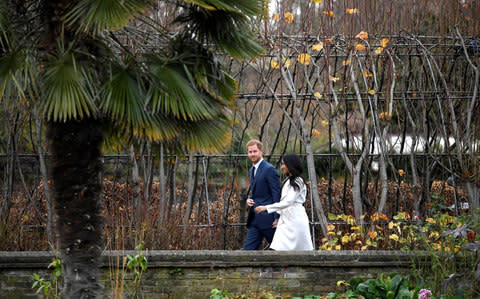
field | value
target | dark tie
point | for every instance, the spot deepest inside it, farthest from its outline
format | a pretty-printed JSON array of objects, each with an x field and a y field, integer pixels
[{"x": 253, "y": 173}]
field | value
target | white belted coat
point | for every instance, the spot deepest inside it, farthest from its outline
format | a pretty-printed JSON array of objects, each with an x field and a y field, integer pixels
[{"x": 293, "y": 231}]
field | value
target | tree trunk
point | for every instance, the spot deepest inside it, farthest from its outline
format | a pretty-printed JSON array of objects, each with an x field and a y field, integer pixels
[
  {"x": 44, "y": 175},
  {"x": 137, "y": 200},
  {"x": 473, "y": 191},
  {"x": 190, "y": 192},
  {"x": 77, "y": 185},
  {"x": 163, "y": 186}
]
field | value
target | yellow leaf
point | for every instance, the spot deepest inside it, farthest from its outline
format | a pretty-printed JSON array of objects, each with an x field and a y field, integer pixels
[
  {"x": 351, "y": 11},
  {"x": 274, "y": 64},
  {"x": 346, "y": 62},
  {"x": 371, "y": 91},
  {"x": 385, "y": 115},
  {"x": 285, "y": 62},
  {"x": 384, "y": 42},
  {"x": 318, "y": 47},
  {"x": 338, "y": 247},
  {"x": 316, "y": 132},
  {"x": 334, "y": 79},
  {"x": 401, "y": 172},
  {"x": 288, "y": 17},
  {"x": 362, "y": 35},
  {"x": 379, "y": 50},
  {"x": 390, "y": 225},
  {"x": 359, "y": 47},
  {"x": 324, "y": 123},
  {"x": 317, "y": 1},
  {"x": 345, "y": 239},
  {"x": 331, "y": 234},
  {"x": 329, "y": 13},
  {"x": 275, "y": 17},
  {"x": 430, "y": 220},
  {"x": 318, "y": 95},
  {"x": 366, "y": 74},
  {"x": 394, "y": 237},
  {"x": 304, "y": 58}
]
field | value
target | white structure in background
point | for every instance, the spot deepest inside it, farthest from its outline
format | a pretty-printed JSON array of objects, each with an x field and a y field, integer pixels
[{"x": 394, "y": 145}]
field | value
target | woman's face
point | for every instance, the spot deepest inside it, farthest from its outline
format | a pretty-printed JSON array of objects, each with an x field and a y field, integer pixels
[{"x": 284, "y": 168}]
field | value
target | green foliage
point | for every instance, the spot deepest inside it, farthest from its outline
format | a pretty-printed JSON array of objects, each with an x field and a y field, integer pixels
[
  {"x": 219, "y": 294},
  {"x": 49, "y": 288},
  {"x": 387, "y": 286},
  {"x": 138, "y": 265}
]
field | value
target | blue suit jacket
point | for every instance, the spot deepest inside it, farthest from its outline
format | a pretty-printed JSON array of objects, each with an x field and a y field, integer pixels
[{"x": 265, "y": 188}]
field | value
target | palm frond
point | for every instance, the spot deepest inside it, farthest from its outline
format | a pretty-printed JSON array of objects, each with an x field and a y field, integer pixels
[
  {"x": 207, "y": 135},
  {"x": 188, "y": 81},
  {"x": 68, "y": 94},
  {"x": 174, "y": 91},
  {"x": 99, "y": 15},
  {"x": 248, "y": 7},
  {"x": 123, "y": 100},
  {"x": 229, "y": 30}
]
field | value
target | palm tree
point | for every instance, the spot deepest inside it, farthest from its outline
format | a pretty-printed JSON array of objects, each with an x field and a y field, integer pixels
[{"x": 69, "y": 59}]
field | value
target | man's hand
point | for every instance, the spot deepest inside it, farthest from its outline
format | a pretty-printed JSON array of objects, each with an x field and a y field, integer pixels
[
  {"x": 250, "y": 202},
  {"x": 260, "y": 209},
  {"x": 275, "y": 222}
]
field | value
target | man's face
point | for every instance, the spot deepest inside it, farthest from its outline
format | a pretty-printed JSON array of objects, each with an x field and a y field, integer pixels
[{"x": 254, "y": 153}]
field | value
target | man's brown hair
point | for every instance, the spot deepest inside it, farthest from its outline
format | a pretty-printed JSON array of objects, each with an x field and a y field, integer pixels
[{"x": 256, "y": 142}]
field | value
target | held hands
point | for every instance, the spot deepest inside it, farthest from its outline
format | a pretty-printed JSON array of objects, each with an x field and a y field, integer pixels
[
  {"x": 250, "y": 202},
  {"x": 275, "y": 222},
  {"x": 260, "y": 209}
]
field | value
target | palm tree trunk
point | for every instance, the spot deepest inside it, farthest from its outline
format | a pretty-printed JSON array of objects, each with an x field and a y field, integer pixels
[{"x": 77, "y": 185}]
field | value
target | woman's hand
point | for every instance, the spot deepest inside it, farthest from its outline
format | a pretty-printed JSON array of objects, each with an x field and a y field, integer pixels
[{"x": 260, "y": 209}]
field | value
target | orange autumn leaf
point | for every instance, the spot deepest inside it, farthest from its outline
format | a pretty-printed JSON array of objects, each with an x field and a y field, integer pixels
[
  {"x": 379, "y": 50},
  {"x": 384, "y": 42},
  {"x": 329, "y": 13},
  {"x": 274, "y": 64},
  {"x": 334, "y": 79},
  {"x": 275, "y": 17},
  {"x": 359, "y": 47},
  {"x": 328, "y": 40},
  {"x": 304, "y": 58},
  {"x": 288, "y": 17},
  {"x": 385, "y": 115},
  {"x": 318, "y": 47},
  {"x": 366, "y": 74},
  {"x": 352, "y": 11},
  {"x": 317, "y": 1},
  {"x": 346, "y": 62},
  {"x": 362, "y": 35}
]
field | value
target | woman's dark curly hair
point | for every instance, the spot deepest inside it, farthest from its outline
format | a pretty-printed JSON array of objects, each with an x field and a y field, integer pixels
[{"x": 295, "y": 167}]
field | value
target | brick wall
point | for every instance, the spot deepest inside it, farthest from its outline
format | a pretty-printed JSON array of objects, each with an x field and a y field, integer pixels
[{"x": 193, "y": 274}]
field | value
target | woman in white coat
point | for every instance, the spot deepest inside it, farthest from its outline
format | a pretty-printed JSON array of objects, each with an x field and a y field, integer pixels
[{"x": 293, "y": 231}]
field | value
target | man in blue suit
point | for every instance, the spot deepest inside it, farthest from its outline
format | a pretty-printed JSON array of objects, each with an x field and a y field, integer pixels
[{"x": 265, "y": 190}]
